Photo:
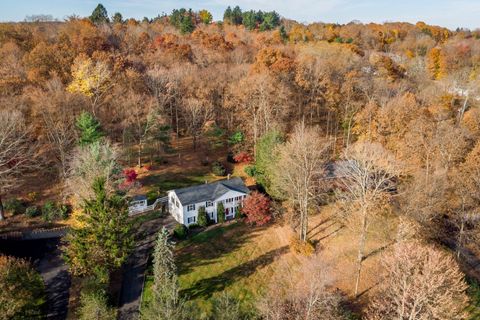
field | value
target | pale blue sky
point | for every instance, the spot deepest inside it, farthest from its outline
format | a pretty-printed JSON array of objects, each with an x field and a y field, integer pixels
[{"x": 449, "y": 13}]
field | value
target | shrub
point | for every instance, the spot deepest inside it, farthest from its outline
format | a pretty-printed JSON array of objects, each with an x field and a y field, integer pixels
[
  {"x": 180, "y": 231},
  {"x": 256, "y": 208},
  {"x": 22, "y": 290},
  {"x": 52, "y": 211},
  {"x": 202, "y": 217},
  {"x": 32, "y": 211},
  {"x": 14, "y": 206},
  {"x": 236, "y": 138},
  {"x": 94, "y": 305},
  {"x": 220, "y": 212},
  {"x": 152, "y": 195},
  {"x": 243, "y": 157},
  {"x": 32, "y": 196},
  {"x": 251, "y": 171},
  {"x": 218, "y": 169},
  {"x": 238, "y": 213},
  {"x": 303, "y": 248},
  {"x": 193, "y": 226}
]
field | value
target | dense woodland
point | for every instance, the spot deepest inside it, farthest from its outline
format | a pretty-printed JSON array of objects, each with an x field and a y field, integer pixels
[{"x": 393, "y": 108}]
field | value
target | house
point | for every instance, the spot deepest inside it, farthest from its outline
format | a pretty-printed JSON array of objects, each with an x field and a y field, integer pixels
[{"x": 184, "y": 203}]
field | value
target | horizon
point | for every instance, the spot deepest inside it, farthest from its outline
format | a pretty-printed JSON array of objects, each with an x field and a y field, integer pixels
[{"x": 462, "y": 13}]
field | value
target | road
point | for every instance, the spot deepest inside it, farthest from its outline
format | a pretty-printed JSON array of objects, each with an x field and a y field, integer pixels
[
  {"x": 55, "y": 275},
  {"x": 134, "y": 270}
]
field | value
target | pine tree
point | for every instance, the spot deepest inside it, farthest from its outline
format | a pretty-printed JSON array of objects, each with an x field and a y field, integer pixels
[
  {"x": 165, "y": 302},
  {"x": 227, "y": 16},
  {"x": 99, "y": 15},
  {"x": 117, "y": 18},
  {"x": 89, "y": 127},
  {"x": 104, "y": 241}
]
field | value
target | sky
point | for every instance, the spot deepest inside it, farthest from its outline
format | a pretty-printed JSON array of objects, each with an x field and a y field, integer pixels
[{"x": 447, "y": 13}]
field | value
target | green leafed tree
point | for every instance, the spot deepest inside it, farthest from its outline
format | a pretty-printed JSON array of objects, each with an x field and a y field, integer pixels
[
  {"x": 266, "y": 158},
  {"x": 220, "y": 212},
  {"x": 94, "y": 305},
  {"x": 89, "y": 127},
  {"x": 202, "y": 217},
  {"x": 22, "y": 290},
  {"x": 165, "y": 302},
  {"x": 99, "y": 15},
  {"x": 104, "y": 239}
]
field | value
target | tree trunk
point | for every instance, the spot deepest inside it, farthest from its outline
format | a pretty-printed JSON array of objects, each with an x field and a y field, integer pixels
[
  {"x": 361, "y": 250},
  {"x": 2, "y": 211}
]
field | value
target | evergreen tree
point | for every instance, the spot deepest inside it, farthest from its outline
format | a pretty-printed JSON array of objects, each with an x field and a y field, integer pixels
[
  {"x": 250, "y": 19},
  {"x": 202, "y": 217},
  {"x": 271, "y": 20},
  {"x": 228, "y": 15},
  {"x": 220, "y": 212},
  {"x": 237, "y": 16},
  {"x": 89, "y": 127},
  {"x": 187, "y": 26},
  {"x": 99, "y": 15},
  {"x": 283, "y": 34},
  {"x": 104, "y": 241},
  {"x": 117, "y": 18},
  {"x": 165, "y": 302}
]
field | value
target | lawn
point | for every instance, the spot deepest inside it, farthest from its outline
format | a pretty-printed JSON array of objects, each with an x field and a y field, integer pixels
[{"x": 235, "y": 257}]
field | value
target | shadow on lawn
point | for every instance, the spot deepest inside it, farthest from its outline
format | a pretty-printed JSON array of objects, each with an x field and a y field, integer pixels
[
  {"x": 208, "y": 246},
  {"x": 206, "y": 287}
]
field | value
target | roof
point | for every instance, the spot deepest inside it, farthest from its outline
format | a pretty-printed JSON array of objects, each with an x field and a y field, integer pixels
[
  {"x": 139, "y": 198},
  {"x": 210, "y": 191}
]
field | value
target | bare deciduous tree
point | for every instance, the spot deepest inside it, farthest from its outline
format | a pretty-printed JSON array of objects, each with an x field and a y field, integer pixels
[
  {"x": 367, "y": 175},
  {"x": 16, "y": 151},
  {"x": 297, "y": 173},
  {"x": 420, "y": 283},
  {"x": 97, "y": 160},
  {"x": 301, "y": 292},
  {"x": 196, "y": 114}
]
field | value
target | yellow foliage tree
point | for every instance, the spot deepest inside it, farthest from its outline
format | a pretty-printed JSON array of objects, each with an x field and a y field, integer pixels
[
  {"x": 436, "y": 63},
  {"x": 91, "y": 79}
]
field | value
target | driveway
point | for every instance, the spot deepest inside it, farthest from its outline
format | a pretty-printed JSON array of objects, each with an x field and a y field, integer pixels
[
  {"x": 55, "y": 275},
  {"x": 134, "y": 270}
]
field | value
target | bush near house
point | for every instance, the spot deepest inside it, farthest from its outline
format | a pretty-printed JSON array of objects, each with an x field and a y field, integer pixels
[
  {"x": 220, "y": 212},
  {"x": 256, "y": 208},
  {"x": 243, "y": 157},
  {"x": 180, "y": 231},
  {"x": 202, "y": 217}
]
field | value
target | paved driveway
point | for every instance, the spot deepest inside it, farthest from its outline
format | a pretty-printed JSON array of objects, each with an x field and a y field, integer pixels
[
  {"x": 55, "y": 275},
  {"x": 134, "y": 270}
]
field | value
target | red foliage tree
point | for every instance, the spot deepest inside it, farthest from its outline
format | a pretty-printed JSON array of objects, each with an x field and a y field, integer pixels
[
  {"x": 243, "y": 157},
  {"x": 130, "y": 175},
  {"x": 257, "y": 209}
]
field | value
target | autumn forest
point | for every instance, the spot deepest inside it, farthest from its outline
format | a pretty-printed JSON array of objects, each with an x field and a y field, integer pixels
[{"x": 360, "y": 144}]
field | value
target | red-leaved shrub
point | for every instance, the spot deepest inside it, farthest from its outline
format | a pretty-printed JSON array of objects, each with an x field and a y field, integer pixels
[{"x": 256, "y": 208}]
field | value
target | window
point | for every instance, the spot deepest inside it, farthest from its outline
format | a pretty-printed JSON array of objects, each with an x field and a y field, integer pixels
[
  {"x": 229, "y": 200},
  {"x": 191, "y": 207},
  {"x": 209, "y": 204},
  {"x": 191, "y": 219}
]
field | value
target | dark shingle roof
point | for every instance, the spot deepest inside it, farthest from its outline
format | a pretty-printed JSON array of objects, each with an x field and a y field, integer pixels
[{"x": 209, "y": 191}]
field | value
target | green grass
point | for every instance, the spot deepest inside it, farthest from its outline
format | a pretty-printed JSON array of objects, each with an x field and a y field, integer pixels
[
  {"x": 163, "y": 182},
  {"x": 232, "y": 258}
]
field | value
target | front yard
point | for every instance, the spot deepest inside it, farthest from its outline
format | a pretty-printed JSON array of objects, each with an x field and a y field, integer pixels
[{"x": 236, "y": 258}]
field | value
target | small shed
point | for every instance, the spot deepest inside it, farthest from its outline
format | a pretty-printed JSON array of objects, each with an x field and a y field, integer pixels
[{"x": 138, "y": 203}]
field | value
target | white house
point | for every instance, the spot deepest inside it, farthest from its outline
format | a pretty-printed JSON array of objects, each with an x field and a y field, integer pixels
[{"x": 184, "y": 203}]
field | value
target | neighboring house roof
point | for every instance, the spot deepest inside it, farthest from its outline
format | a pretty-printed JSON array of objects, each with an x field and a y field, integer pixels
[{"x": 210, "y": 191}]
